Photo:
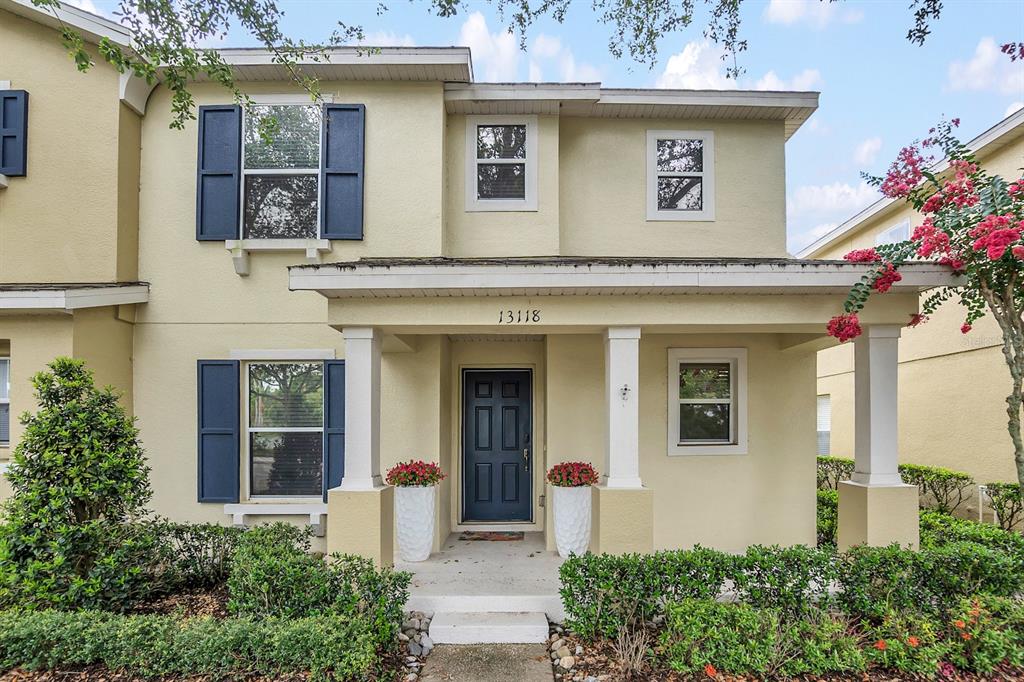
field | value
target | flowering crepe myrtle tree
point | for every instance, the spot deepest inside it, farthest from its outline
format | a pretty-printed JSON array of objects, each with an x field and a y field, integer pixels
[{"x": 974, "y": 222}]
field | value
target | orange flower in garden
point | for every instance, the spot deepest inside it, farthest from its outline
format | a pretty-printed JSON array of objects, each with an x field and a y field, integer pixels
[
  {"x": 965, "y": 635},
  {"x": 710, "y": 671},
  {"x": 881, "y": 645},
  {"x": 960, "y": 624},
  {"x": 913, "y": 641}
]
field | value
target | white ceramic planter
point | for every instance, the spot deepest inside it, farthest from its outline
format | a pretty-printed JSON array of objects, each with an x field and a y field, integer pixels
[
  {"x": 414, "y": 516},
  {"x": 572, "y": 519}
]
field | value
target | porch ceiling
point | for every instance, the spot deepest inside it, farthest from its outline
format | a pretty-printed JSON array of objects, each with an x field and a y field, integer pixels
[{"x": 577, "y": 276}]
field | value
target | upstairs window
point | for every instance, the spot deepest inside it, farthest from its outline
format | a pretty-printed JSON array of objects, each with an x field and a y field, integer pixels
[
  {"x": 501, "y": 163},
  {"x": 680, "y": 175},
  {"x": 5, "y": 401},
  {"x": 281, "y": 175},
  {"x": 286, "y": 427},
  {"x": 900, "y": 232}
]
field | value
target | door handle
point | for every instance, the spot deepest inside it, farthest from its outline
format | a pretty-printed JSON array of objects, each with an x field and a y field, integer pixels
[{"x": 526, "y": 457}]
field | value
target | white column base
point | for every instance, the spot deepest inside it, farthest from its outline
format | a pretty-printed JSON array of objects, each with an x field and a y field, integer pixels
[
  {"x": 623, "y": 482},
  {"x": 878, "y": 480},
  {"x": 361, "y": 483}
]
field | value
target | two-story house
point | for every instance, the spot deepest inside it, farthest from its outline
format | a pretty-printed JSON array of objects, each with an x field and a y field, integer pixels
[
  {"x": 939, "y": 367},
  {"x": 494, "y": 277}
]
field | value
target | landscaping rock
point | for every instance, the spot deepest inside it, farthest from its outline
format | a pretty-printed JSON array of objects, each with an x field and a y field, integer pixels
[
  {"x": 415, "y": 649},
  {"x": 402, "y": 637},
  {"x": 567, "y": 662},
  {"x": 558, "y": 644},
  {"x": 563, "y": 652},
  {"x": 426, "y": 644}
]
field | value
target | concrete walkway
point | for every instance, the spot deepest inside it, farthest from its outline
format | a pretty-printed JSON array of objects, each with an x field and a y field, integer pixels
[{"x": 488, "y": 663}]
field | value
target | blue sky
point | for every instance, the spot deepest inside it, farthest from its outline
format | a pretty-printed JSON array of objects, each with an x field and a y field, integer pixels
[{"x": 878, "y": 91}]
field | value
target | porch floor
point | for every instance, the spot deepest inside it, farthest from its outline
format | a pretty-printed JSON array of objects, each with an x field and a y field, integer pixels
[{"x": 487, "y": 576}]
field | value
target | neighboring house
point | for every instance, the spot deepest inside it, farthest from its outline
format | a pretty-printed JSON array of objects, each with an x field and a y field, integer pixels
[
  {"x": 953, "y": 386},
  {"x": 496, "y": 277}
]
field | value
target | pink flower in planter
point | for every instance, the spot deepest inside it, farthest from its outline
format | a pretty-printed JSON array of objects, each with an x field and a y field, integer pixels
[
  {"x": 572, "y": 475},
  {"x": 413, "y": 473}
]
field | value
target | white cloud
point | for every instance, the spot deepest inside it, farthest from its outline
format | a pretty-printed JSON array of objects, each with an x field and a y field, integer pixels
[
  {"x": 387, "y": 39},
  {"x": 816, "y": 13},
  {"x": 495, "y": 55},
  {"x": 867, "y": 151},
  {"x": 987, "y": 70},
  {"x": 697, "y": 67},
  {"x": 832, "y": 202},
  {"x": 808, "y": 79},
  {"x": 1013, "y": 108},
  {"x": 548, "y": 50}
]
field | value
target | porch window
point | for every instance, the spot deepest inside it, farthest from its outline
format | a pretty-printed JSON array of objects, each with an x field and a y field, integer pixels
[
  {"x": 285, "y": 429},
  {"x": 501, "y": 163},
  {"x": 680, "y": 175},
  {"x": 707, "y": 401},
  {"x": 5, "y": 401},
  {"x": 824, "y": 424},
  {"x": 281, "y": 175}
]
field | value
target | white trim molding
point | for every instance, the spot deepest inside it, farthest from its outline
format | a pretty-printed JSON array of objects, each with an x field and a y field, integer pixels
[
  {"x": 737, "y": 361},
  {"x": 282, "y": 354},
  {"x": 316, "y": 512},
  {"x": 241, "y": 248},
  {"x": 4, "y": 182},
  {"x": 531, "y": 162},
  {"x": 71, "y": 298},
  {"x": 622, "y": 405},
  {"x": 875, "y": 410},
  {"x": 706, "y": 175}
]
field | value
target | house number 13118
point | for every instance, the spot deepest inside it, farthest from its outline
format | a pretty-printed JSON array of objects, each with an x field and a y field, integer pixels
[{"x": 519, "y": 316}]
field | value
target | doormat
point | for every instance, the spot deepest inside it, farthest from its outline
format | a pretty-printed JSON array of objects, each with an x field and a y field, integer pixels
[{"x": 491, "y": 536}]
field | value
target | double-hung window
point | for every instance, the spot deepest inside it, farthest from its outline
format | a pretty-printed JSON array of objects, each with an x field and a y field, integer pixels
[
  {"x": 707, "y": 401},
  {"x": 5, "y": 401},
  {"x": 281, "y": 171},
  {"x": 680, "y": 175},
  {"x": 285, "y": 427},
  {"x": 897, "y": 233},
  {"x": 501, "y": 163}
]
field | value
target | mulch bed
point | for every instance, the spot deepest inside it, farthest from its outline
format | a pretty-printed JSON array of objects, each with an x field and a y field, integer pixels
[
  {"x": 599, "y": 661},
  {"x": 190, "y": 604}
]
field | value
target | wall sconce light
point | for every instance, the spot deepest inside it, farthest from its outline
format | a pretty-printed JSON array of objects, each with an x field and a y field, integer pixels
[{"x": 624, "y": 391}]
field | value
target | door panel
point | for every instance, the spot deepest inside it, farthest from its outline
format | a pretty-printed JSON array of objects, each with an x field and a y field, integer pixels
[{"x": 497, "y": 448}]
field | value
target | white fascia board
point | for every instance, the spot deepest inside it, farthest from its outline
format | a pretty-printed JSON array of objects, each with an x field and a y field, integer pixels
[
  {"x": 979, "y": 144},
  {"x": 357, "y": 56},
  {"x": 71, "y": 299},
  {"x": 682, "y": 278},
  {"x": 588, "y": 92},
  {"x": 735, "y": 98},
  {"x": 92, "y": 27}
]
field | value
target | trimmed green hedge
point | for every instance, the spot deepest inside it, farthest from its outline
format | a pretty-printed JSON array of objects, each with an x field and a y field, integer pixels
[
  {"x": 155, "y": 645},
  {"x": 828, "y": 517}
]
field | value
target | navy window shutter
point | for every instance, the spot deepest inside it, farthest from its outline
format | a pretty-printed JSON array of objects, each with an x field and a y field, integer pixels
[
  {"x": 13, "y": 132},
  {"x": 334, "y": 424},
  {"x": 341, "y": 170},
  {"x": 219, "y": 425},
  {"x": 218, "y": 172}
]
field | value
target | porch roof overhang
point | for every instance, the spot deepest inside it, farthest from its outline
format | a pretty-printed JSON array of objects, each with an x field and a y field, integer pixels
[
  {"x": 581, "y": 276},
  {"x": 36, "y": 298}
]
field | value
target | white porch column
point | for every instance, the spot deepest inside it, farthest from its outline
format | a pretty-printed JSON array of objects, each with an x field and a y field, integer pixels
[
  {"x": 876, "y": 371},
  {"x": 362, "y": 408},
  {"x": 621, "y": 385}
]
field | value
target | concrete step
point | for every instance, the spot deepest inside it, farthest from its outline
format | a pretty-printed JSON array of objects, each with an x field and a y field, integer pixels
[
  {"x": 491, "y": 627},
  {"x": 550, "y": 604}
]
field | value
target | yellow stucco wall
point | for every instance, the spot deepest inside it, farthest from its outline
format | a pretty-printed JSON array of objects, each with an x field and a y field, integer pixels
[
  {"x": 70, "y": 219},
  {"x": 952, "y": 385}
]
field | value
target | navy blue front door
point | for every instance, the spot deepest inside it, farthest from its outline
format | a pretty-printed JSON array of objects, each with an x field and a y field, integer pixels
[{"x": 497, "y": 448}]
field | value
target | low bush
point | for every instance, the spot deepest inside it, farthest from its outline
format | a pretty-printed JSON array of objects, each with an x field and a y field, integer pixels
[
  {"x": 939, "y": 529},
  {"x": 831, "y": 470},
  {"x": 985, "y": 631},
  {"x": 197, "y": 554},
  {"x": 828, "y": 517},
  {"x": 328, "y": 646},
  {"x": 791, "y": 579},
  {"x": 943, "y": 490},
  {"x": 1007, "y": 503},
  {"x": 273, "y": 575}
]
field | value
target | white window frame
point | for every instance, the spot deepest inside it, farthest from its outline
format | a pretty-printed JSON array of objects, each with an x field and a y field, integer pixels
[
  {"x": 737, "y": 360},
  {"x": 817, "y": 419},
  {"x": 885, "y": 236},
  {"x": 7, "y": 400},
  {"x": 707, "y": 176},
  {"x": 283, "y": 100},
  {"x": 248, "y": 430},
  {"x": 529, "y": 202}
]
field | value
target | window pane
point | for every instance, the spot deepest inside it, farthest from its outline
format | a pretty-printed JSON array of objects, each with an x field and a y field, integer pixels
[
  {"x": 680, "y": 194},
  {"x": 501, "y": 181},
  {"x": 704, "y": 422},
  {"x": 501, "y": 142},
  {"x": 281, "y": 206},
  {"x": 286, "y": 394},
  {"x": 707, "y": 380},
  {"x": 5, "y": 378},
  {"x": 681, "y": 156},
  {"x": 824, "y": 442},
  {"x": 5, "y": 423},
  {"x": 286, "y": 463},
  {"x": 294, "y": 136}
]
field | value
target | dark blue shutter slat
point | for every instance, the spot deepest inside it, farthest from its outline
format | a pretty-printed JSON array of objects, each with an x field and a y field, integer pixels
[
  {"x": 341, "y": 170},
  {"x": 334, "y": 424},
  {"x": 218, "y": 172},
  {"x": 13, "y": 132},
  {"x": 219, "y": 425}
]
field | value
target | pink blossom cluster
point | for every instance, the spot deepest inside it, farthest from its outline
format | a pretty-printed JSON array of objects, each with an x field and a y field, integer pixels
[
  {"x": 886, "y": 278},
  {"x": 863, "y": 256},
  {"x": 904, "y": 173},
  {"x": 930, "y": 239},
  {"x": 844, "y": 327},
  {"x": 995, "y": 233}
]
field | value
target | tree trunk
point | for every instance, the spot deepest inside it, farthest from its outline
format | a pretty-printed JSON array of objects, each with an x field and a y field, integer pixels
[{"x": 1002, "y": 307}]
